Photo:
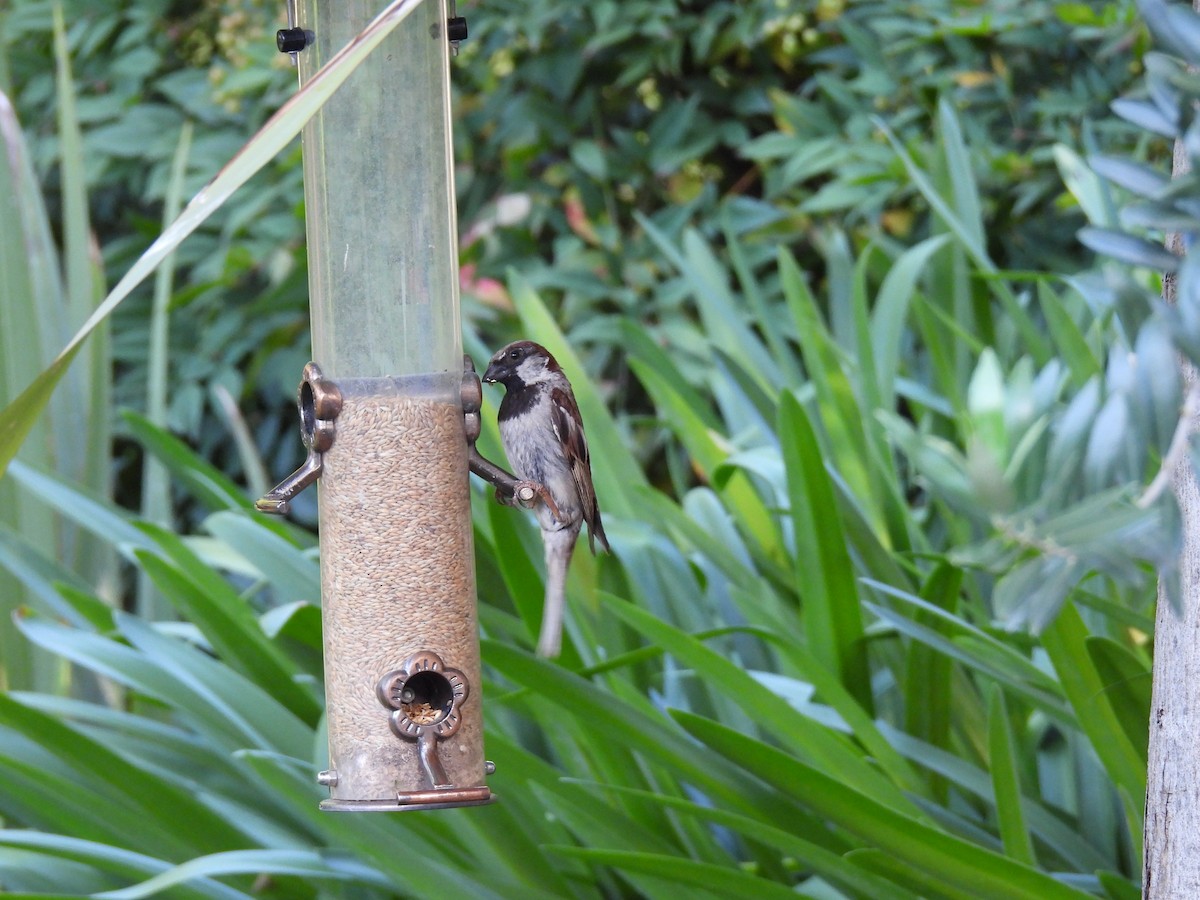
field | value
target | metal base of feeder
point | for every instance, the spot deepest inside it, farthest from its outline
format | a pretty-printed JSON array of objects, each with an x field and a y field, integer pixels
[{"x": 436, "y": 799}]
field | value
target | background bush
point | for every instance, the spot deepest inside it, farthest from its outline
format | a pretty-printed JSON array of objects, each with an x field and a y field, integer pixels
[{"x": 758, "y": 120}]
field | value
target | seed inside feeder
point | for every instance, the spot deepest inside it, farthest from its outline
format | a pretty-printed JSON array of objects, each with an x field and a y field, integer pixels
[
  {"x": 398, "y": 576},
  {"x": 422, "y": 713}
]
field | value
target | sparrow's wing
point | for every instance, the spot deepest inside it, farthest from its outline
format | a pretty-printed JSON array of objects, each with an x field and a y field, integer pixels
[{"x": 568, "y": 427}]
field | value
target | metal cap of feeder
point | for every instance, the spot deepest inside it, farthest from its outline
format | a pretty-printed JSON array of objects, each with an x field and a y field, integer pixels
[{"x": 383, "y": 420}]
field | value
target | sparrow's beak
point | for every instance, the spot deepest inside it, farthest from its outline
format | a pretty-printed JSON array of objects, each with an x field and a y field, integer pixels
[{"x": 492, "y": 375}]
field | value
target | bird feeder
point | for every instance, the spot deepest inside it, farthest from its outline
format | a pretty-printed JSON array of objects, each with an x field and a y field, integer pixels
[{"x": 389, "y": 417}]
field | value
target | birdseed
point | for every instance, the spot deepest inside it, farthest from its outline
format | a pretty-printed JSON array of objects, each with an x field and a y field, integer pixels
[
  {"x": 421, "y": 713},
  {"x": 397, "y": 577}
]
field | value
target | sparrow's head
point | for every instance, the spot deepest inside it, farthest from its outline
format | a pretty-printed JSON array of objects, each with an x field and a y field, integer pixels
[{"x": 520, "y": 364}]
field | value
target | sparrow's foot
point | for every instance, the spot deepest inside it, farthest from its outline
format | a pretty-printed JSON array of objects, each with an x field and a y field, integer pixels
[{"x": 527, "y": 493}]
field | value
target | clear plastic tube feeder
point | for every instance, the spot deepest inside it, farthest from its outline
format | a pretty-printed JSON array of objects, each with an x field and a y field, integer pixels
[{"x": 382, "y": 416}]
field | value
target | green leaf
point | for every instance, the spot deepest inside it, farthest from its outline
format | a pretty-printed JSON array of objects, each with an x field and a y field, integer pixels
[
  {"x": 985, "y": 404},
  {"x": 292, "y": 573},
  {"x": 588, "y": 156},
  {"x": 719, "y": 880},
  {"x": 968, "y": 232},
  {"x": 613, "y": 826},
  {"x": 1119, "y": 888},
  {"x": 708, "y": 453},
  {"x": 1045, "y": 823},
  {"x": 707, "y": 527},
  {"x": 84, "y": 280},
  {"x": 891, "y": 310},
  {"x": 1147, "y": 115},
  {"x": 841, "y": 417},
  {"x": 721, "y": 313},
  {"x": 1126, "y": 248},
  {"x": 829, "y": 752},
  {"x": 831, "y": 866},
  {"x": 1006, "y": 782},
  {"x": 1067, "y": 335},
  {"x": 31, "y": 324},
  {"x": 974, "y": 648},
  {"x": 444, "y": 860},
  {"x": 107, "y": 858},
  {"x": 515, "y": 561},
  {"x": 943, "y": 858},
  {"x": 226, "y": 620},
  {"x": 928, "y": 673},
  {"x": 586, "y": 705},
  {"x": 229, "y": 710},
  {"x": 96, "y": 514},
  {"x": 1127, "y": 684},
  {"x": 770, "y": 321},
  {"x": 156, "y": 490},
  {"x": 205, "y": 482},
  {"x": 1175, "y": 26},
  {"x": 885, "y": 865},
  {"x": 962, "y": 176},
  {"x": 642, "y": 347},
  {"x": 41, "y": 575},
  {"x": 824, "y": 572},
  {"x": 130, "y": 795},
  {"x": 1163, "y": 217},
  {"x": 1108, "y": 447},
  {"x": 1088, "y": 190},
  {"x": 1159, "y": 387},
  {"x": 1066, "y": 644},
  {"x": 307, "y": 864},
  {"x": 1133, "y": 176}
]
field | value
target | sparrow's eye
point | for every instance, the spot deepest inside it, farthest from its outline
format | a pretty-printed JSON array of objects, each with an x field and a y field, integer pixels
[{"x": 514, "y": 354}]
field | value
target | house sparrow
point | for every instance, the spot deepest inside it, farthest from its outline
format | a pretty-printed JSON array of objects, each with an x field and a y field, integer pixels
[{"x": 542, "y": 434}]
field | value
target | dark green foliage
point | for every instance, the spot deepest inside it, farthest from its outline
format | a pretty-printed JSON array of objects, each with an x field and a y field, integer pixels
[{"x": 744, "y": 119}]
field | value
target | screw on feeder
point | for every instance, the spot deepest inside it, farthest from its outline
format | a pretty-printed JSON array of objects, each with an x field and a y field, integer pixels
[
  {"x": 456, "y": 28},
  {"x": 292, "y": 40}
]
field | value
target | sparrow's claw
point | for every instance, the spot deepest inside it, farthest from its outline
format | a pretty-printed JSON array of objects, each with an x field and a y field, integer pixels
[
  {"x": 521, "y": 493},
  {"x": 527, "y": 493}
]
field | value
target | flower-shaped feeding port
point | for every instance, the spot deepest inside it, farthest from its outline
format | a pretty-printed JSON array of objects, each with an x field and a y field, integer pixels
[{"x": 425, "y": 697}]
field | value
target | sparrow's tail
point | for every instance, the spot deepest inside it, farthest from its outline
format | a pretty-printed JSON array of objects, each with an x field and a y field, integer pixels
[{"x": 559, "y": 547}]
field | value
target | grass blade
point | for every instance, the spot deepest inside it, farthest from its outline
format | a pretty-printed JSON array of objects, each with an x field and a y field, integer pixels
[
  {"x": 1006, "y": 782},
  {"x": 714, "y": 880},
  {"x": 824, "y": 572},
  {"x": 828, "y": 751},
  {"x": 19, "y": 417},
  {"x": 1065, "y": 641},
  {"x": 942, "y": 857},
  {"x": 967, "y": 235}
]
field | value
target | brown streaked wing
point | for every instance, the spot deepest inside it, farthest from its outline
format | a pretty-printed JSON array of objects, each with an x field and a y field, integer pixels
[{"x": 569, "y": 426}]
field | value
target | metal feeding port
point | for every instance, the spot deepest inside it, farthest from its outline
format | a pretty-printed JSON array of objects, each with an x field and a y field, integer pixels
[
  {"x": 319, "y": 402},
  {"x": 425, "y": 697}
]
